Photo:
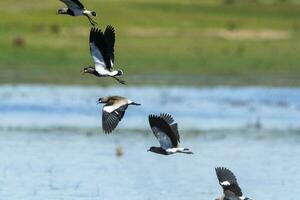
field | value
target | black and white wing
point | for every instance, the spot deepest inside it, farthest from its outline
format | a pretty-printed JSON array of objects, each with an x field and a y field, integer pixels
[
  {"x": 228, "y": 182},
  {"x": 110, "y": 39},
  {"x": 169, "y": 119},
  {"x": 73, "y": 4},
  {"x": 99, "y": 49},
  {"x": 111, "y": 116},
  {"x": 163, "y": 131}
]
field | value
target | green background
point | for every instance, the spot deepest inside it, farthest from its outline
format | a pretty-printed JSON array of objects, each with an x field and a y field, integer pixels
[{"x": 194, "y": 42}]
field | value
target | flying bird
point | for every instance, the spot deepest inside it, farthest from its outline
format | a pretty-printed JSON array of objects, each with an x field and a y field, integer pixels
[
  {"x": 165, "y": 130},
  {"x": 75, "y": 8},
  {"x": 113, "y": 111},
  {"x": 102, "y": 51},
  {"x": 231, "y": 188}
]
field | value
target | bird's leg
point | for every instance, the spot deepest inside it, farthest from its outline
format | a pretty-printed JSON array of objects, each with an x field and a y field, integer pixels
[
  {"x": 119, "y": 80},
  {"x": 93, "y": 22}
]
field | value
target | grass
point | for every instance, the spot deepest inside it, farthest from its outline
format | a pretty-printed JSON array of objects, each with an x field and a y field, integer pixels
[{"x": 172, "y": 41}]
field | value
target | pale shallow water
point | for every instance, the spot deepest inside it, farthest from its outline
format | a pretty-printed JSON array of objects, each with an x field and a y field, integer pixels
[
  {"x": 83, "y": 165},
  {"x": 52, "y": 146}
]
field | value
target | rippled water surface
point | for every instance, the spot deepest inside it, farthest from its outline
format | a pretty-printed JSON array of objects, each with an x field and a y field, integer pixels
[
  {"x": 66, "y": 165},
  {"x": 52, "y": 146},
  {"x": 195, "y": 108}
]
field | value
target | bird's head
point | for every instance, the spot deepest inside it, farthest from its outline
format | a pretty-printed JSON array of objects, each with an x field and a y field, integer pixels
[
  {"x": 102, "y": 100},
  {"x": 89, "y": 69},
  {"x": 94, "y": 14},
  {"x": 62, "y": 11},
  {"x": 151, "y": 149}
]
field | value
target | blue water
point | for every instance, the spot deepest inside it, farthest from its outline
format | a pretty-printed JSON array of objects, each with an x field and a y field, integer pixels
[
  {"x": 84, "y": 166},
  {"x": 52, "y": 146},
  {"x": 216, "y": 108}
]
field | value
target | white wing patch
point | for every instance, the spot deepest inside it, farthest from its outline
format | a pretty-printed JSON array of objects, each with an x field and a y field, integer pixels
[
  {"x": 113, "y": 107},
  {"x": 98, "y": 60},
  {"x": 97, "y": 56},
  {"x": 164, "y": 141},
  {"x": 172, "y": 150},
  {"x": 225, "y": 183}
]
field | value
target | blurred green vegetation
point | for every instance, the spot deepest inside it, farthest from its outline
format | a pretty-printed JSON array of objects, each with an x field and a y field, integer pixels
[{"x": 231, "y": 42}]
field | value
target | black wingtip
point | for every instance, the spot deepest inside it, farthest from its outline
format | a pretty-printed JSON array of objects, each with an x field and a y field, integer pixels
[
  {"x": 221, "y": 169},
  {"x": 154, "y": 119},
  {"x": 167, "y": 117},
  {"x": 225, "y": 174},
  {"x": 152, "y": 116},
  {"x": 218, "y": 169},
  {"x": 110, "y": 28},
  {"x": 94, "y": 32},
  {"x": 165, "y": 114},
  {"x": 161, "y": 116},
  {"x": 107, "y": 131}
]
